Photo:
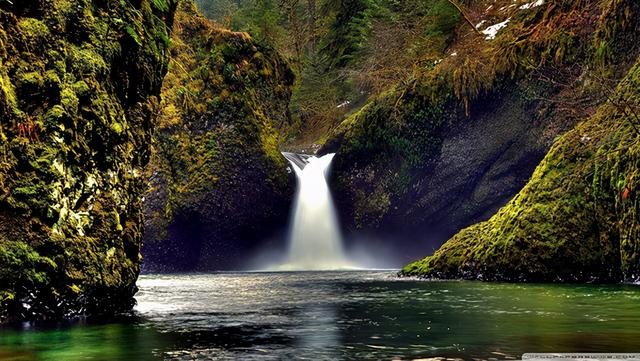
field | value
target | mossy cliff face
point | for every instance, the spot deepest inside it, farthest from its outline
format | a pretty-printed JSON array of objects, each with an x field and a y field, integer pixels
[
  {"x": 450, "y": 146},
  {"x": 79, "y": 85},
  {"x": 218, "y": 181},
  {"x": 576, "y": 220}
]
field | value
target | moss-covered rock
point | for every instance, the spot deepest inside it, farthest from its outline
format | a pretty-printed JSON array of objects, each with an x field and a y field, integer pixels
[
  {"x": 576, "y": 220},
  {"x": 450, "y": 146},
  {"x": 79, "y": 85},
  {"x": 218, "y": 181}
]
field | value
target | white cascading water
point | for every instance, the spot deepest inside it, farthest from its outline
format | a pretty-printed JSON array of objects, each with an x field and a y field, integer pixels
[{"x": 314, "y": 240}]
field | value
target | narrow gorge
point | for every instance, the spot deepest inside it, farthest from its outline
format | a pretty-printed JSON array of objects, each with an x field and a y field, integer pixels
[{"x": 257, "y": 179}]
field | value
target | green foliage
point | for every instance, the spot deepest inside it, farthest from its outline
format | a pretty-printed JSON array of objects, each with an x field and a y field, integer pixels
[
  {"x": 390, "y": 138},
  {"x": 24, "y": 273},
  {"x": 23, "y": 267},
  {"x": 348, "y": 31},
  {"x": 405, "y": 132},
  {"x": 339, "y": 48},
  {"x": 384, "y": 147},
  {"x": 445, "y": 19},
  {"x": 162, "y": 5},
  {"x": 221, "y": 11},
  {"x": 263, "y": 20},
  {"x": 133, "y": 34}
]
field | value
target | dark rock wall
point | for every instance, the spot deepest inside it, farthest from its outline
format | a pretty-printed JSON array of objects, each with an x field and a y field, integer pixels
[
  {"x": 577, "y": 218},
  {"x": 451, "y": 146}
]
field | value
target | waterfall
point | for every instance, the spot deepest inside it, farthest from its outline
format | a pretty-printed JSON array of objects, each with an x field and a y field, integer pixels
[{"x": 314, "y": 237}]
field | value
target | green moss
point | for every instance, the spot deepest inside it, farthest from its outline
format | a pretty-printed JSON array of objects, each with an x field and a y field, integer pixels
[
  {"x": 54, "y": 114},
  {"x": 24, "y": 274},
  {"x": 86, "y": 61},
  {"x": 52, "y": 79},
  {"x": 69, "y": 100},
  {"x": 220, "y": 105},
  {"x": 67, "y": 79},
  {"x": 8, "y": 102},
  {"x": 388, "y": 139},
  {"x": 81, "y": 89},
  {"x": 384, "y": 147},
  {"x": 575, "y": 220},
  {"x": 30, "y": 82},
  {"x": 34, "y": 30}
]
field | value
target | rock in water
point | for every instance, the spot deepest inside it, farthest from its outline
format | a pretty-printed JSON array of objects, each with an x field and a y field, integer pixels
[{"x": 79, "y": 87}]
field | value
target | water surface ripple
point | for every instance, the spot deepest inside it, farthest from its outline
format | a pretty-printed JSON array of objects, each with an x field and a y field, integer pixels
[{"x": 367, "y": 315}]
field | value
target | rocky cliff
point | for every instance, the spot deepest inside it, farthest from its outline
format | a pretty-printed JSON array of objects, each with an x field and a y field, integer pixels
[
  {"x": 453, "y": 144},
  {"x": 575, "y": 220},
  {"x": 79, "y": 87},
  {"x": 218, "y": 184}
]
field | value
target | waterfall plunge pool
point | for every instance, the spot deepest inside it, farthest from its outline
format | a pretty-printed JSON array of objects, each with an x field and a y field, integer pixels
[{"x": 350, "y": 315}]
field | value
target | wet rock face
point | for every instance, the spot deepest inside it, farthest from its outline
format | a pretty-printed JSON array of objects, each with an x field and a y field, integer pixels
[
  {"x": 218, "y": 184},
  {"x": 576, "y": 220},
  {"x": 468, "y": 167},
  {"x": 452, "y": 146},
  {"x": 79, "y": 87}
]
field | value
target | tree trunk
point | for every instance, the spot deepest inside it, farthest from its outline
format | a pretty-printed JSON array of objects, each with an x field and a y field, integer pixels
[{"x": 312, "y": 25}]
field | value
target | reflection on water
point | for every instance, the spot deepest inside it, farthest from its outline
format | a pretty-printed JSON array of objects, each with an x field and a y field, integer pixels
[{"x": 342, "y": 315}]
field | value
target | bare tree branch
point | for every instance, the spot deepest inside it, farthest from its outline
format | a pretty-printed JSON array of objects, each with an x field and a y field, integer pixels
[{"x": 454, "y": 3}]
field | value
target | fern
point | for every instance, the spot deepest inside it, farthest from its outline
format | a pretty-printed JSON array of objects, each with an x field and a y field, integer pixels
[
  {"x": 131, "y": 31},
  {"x": 161, "y": 5}
]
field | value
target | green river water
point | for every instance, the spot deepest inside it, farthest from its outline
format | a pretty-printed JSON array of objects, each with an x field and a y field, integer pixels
[{"x": 363, "y": 315}]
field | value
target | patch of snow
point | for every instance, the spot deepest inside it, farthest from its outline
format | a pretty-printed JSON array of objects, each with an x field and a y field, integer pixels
[
  {"x": 532, "y": 5},
  {"x": 492, "y": 31},
  {"x": 454, "y": 54},
  {"x": 343, "y": 104},
  {"x": 480, "y": 24}
]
